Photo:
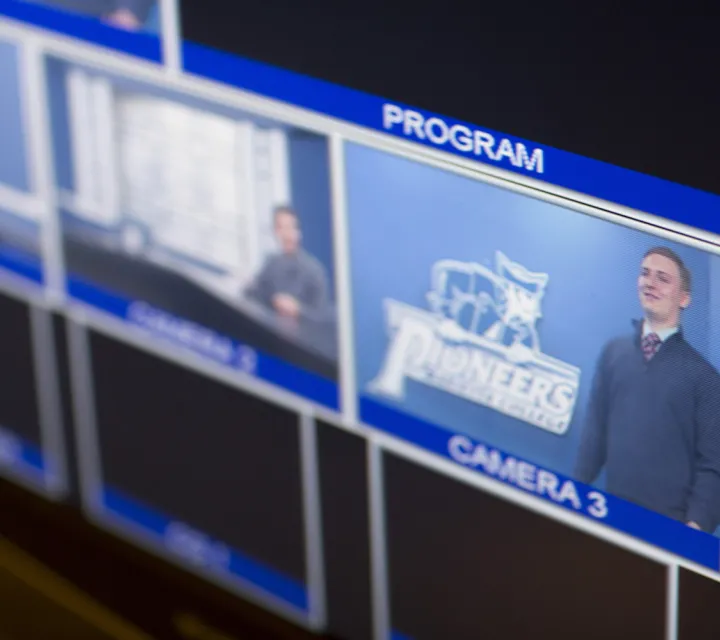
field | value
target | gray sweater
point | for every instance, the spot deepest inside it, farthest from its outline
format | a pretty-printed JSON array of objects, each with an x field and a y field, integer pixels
[
  {"x": 655, "y": 427},
  {"x": 299, "y": 275}
]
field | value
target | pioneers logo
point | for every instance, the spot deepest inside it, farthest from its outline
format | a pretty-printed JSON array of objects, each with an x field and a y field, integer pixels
[{"x": 480, "y": 341}]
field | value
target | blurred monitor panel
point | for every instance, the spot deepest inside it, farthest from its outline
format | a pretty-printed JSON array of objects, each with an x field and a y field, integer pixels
[{"x": 346, "y": 311}]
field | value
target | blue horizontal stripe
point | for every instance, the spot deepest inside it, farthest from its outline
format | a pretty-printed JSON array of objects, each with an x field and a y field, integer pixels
[
  {"x": 149, "y": 520},
  {"x": 22, "y": 263},
  {"x": 28, "y": 460},
  {"x": 142, "y": 45},
  {"x": 240, "y": 565},
  {"x": 622, "y": 515},
  {"x": 299, "y": 381},
  {"x": 592, "y": 177},
  {"x": 96, "y": 296},
  {"x": 32, "y": 456}
]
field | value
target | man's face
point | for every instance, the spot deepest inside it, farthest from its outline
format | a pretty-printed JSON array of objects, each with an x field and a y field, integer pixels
[
  {"x": 660, "y": 289},
  {"x": 287, "y": 231}
]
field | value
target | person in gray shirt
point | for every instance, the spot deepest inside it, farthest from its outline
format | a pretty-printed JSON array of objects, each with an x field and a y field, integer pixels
[{"x": 292, "y": 282}]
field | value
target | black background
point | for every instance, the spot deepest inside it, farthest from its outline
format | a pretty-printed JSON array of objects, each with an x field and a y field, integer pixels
[
  {"x": 344, "y": 496},
  {"x": 634, "y": 86},
  {"x": 698, "y": 612},
  {"x": 466, "y": 565},
  {"x": 18, "y": 409},
  {"x": 224, "y": 462}
]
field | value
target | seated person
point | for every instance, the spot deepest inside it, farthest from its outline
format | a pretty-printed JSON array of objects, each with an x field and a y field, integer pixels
[
  {"x": 123, "y": 14},
  {"x": 292, "y": 283}
]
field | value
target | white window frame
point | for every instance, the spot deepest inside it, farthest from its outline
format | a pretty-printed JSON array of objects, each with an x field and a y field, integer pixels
[
  {"x": 25, "y": 204},
  {"x": 97, "y": 197}
]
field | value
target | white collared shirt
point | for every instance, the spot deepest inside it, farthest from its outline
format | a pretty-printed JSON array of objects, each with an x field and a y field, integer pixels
[{"x": 663, "y": 334}]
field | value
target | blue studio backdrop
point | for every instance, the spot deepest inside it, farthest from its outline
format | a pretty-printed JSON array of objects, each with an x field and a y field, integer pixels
[{"x": 405, "y": 216}]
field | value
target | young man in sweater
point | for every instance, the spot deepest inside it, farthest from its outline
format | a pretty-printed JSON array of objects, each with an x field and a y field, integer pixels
[
  {"x": 292, "y": 283},
  {"x": 653, "y": 418}
]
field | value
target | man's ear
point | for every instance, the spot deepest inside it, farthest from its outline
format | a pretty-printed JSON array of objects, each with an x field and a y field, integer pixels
[{"x": 685, "y": 300}]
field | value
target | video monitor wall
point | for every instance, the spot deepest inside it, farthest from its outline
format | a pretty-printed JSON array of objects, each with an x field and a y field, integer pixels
[{"x": 537, "y": 323}]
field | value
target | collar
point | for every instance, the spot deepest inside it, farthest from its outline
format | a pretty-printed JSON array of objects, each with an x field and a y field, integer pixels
[{"x": 663, "y": 334}]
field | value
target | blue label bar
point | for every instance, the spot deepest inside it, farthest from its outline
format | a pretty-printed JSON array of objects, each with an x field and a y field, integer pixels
[
  {"x": 221, "y": 349},
  {"x": 575, "y": 496},
  {"x": 142, "y": 45},
  {"x": 159, "y": 528},
  {"x": 21, "y": 263},
  {"x": 32, "y": 457},
  {"x": 592, "y": 177},
  {"x": 22, "y": 458},
  {"x": 396, "y": 635}
]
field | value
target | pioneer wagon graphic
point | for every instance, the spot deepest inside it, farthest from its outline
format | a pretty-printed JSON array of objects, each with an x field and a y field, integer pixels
[
  {"x": 480, "y": 341},
  {"x": 502, "y": 305}
]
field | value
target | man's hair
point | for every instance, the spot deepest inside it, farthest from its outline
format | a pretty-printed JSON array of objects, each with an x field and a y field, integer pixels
[
  {"x": 685, "y": 275},
  {"x": 287, "y": 210}
]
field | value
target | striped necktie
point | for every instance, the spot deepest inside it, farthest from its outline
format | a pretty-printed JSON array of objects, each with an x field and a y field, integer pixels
[{"x": 650, "y": 345}]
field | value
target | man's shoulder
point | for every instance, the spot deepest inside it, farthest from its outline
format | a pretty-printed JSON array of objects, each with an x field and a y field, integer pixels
[
  {"x": 621, "y": 343},
  {"x": 273, "y": 260},
  {"x": 696, "y": 360},
  {"x": 310, "y": 262},
  {"x": 620, "y": 350}
]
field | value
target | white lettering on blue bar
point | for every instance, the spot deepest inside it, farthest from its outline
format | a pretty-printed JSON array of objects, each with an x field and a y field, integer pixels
[
  {"x": 526, "y": 476},
  {"x": 196, "y": 547},
  {"x": 187, "y": 333},
  {"x": 479, "y": 143}
]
